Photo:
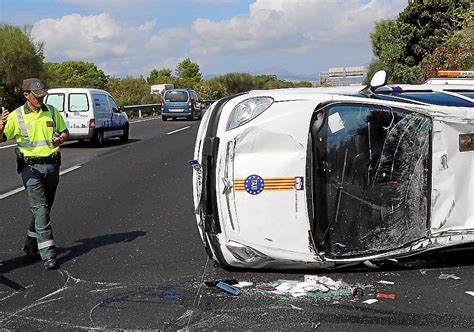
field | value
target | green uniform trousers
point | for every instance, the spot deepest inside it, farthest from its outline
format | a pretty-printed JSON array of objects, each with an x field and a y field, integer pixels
[{"x": 41, "y": 181}]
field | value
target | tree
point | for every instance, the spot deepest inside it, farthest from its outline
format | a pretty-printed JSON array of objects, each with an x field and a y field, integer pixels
[
  {"x": 161, "y": 76},
  {"x": 75, "y": 74},
  {"x": 20, "y": 58},
  {"x": 131, "y": 91},
  {"x": 188, "y": 71},
  {"x": 456, "y": 54},
  {"x": 401, "y": 44}
]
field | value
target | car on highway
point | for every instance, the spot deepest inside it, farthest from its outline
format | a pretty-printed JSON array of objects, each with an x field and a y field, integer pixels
[
  {"x": 178, "y": 103},
  {"x": 90, "y": 114},
  {"x": 327, "y": 177}
]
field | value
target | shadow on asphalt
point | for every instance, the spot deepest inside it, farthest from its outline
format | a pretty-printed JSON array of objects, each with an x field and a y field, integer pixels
[
  {"x": 89, "y": 244},
  {"x": 83, "y": 247}
]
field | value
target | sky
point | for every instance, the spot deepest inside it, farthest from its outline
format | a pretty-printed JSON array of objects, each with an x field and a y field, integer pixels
[{"x": 133, "y": 37}]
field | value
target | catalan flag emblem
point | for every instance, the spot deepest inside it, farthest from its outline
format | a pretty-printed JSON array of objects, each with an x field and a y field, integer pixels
[{"x": 255, "y": 184}]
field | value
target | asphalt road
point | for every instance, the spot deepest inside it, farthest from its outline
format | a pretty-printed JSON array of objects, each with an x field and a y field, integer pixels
[{"x": 131, "y": 257}]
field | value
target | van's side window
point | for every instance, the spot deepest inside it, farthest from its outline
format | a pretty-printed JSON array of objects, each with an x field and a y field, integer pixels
[
  {"x": 100, "y": 102},
  {"x": 78, "y": 102},
  {"x": 56, "y": 100},
  {"x": 112, "y": 102}
]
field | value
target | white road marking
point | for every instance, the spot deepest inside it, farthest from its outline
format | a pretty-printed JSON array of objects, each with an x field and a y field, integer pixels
[
  {"x": 138, "y": 121},
  {"x": 177, "y": 130},
  {"x": 12, "y": 192},
  {"x": 70, "y": 169},
  {"x": 7, "y": 146},
  {"x": 17, "y": 190}
]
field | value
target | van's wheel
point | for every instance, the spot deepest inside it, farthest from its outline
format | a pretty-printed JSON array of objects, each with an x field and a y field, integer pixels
[
  {"x": 164, "y": 117},
  {"x": 126, "y": 132},
  {"x": 99, "y": 138},
  {"x": 191, "y": 117}
]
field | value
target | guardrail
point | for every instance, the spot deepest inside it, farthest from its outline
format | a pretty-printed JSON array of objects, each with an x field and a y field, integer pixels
[
  {"x": 139, "y": 111},
  {"x": 134, "y": 111}
]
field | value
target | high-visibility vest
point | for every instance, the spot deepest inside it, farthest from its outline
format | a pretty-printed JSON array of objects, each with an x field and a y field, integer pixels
[{"x": 36, "y": 141}]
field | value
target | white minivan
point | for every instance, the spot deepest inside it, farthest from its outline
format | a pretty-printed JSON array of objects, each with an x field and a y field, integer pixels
[{"x": 90, "y": 114}]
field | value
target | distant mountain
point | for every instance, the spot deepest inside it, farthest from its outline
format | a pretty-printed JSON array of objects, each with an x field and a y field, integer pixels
[
  {"x": 280, "y": 72},
  {"x": 283, "y": 74}
]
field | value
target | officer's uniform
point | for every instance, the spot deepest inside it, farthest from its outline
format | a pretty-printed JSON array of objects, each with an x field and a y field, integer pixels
[{"x": 33, "y": 132}]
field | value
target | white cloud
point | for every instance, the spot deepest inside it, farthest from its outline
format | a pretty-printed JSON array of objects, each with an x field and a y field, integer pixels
[{"x": 294, "y": 34}]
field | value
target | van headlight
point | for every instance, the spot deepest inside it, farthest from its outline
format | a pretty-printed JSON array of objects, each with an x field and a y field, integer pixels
[{"x": 248, "y": 110}]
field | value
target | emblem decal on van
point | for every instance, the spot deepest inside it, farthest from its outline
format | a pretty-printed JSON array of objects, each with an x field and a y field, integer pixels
[{"x": 255, "y": 184}]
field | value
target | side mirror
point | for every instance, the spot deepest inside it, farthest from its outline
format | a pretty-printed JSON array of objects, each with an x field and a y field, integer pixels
[
  {"x": 121, "y": 109},
  {"x": 378, "y": 80},
  {"x": 198, "y": 104}
]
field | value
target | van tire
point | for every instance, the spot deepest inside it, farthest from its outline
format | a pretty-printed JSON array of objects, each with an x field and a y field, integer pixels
[
  {"x": 126, "y": 132},
  {"x": 164, "y": 117},
  {"x": 99, "y": 138}
]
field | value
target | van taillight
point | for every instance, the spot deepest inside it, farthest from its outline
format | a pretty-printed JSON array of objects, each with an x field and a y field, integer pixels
[
  {"x": 92, "y": 123},
  {"x": 190, "y": 104}
]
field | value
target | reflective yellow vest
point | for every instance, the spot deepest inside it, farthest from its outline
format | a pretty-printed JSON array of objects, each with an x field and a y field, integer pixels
[{"x": 33, "y": 131}]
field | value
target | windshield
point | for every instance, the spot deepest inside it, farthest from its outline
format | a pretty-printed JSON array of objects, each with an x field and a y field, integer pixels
[
  {"x": 368, "y": 177},
  {"x": 176, "y": 96}
]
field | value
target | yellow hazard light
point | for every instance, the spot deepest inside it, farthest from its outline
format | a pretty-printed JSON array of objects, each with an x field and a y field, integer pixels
[
  {"x": 466, "y": 142},
  {"x": 456, "y": 73}
]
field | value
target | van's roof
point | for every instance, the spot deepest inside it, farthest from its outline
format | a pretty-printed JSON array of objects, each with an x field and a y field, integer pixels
[{"x": 77, "y": 90}]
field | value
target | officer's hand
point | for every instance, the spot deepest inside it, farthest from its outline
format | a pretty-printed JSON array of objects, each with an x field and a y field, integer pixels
[
  {"x": 55, "y": 141},
  {"x": 4, "y": 117}
]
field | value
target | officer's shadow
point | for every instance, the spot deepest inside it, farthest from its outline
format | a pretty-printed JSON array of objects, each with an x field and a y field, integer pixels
[{"x": 72, "y": 252}]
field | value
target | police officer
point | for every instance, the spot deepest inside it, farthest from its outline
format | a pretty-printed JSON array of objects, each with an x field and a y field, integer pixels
[{"x": 38, "y": 129}]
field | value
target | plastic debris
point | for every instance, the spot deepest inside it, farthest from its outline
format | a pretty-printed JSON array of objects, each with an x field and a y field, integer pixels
[
  {"x": 445, "y": 276},
  {"x": 386, "y": 282},
  {"x": 470, "y": 293},
  {"x": 385, "y": 296},
  {"x": 266, "y": 288},
  {"x": 318, "y": 287},
  {"x": 356, "y": 291},
  {"x": 242, "y": 284},
  {"x": 370, "y": 301},
  {"x": 423, "y": 272},
  {"x": 229, "y": 289},
  {"x": 295, "y": 307}
]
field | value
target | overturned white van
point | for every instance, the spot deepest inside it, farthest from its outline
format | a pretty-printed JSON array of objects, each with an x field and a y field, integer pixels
[{"x": 90, "y": 114}]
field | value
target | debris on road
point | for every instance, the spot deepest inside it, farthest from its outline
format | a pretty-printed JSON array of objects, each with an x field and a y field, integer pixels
[
  {"x": 242, "y": 284},
  {"x": 319, "y": 287},
  {"x": 370, "y": 301},
  {"x": 445, "y": 276},
  {"x": 385, "y": 296},
  {"x": 227, "y": 288},
  {"x": 386, "y": 282}
]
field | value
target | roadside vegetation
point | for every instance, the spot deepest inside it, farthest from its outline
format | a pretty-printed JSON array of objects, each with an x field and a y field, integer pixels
[{"x": 428, "y": 35}]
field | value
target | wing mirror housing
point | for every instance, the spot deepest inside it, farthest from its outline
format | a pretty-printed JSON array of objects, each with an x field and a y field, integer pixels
[{"x": 378, "y": 80}]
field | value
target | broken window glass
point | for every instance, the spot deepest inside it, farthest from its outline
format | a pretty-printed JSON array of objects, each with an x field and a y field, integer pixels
[{"x": 370, "y": 178}]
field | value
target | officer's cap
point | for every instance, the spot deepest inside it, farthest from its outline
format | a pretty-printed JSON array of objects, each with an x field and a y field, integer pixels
[{"x": 35, "y": 86}]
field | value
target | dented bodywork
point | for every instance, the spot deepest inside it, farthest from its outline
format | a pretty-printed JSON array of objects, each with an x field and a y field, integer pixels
[{"x": 318, "y": 179}]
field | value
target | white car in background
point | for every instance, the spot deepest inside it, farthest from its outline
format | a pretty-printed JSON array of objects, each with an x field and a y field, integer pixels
[{"x": 318, "y": 178}]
